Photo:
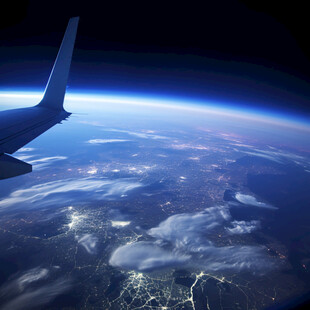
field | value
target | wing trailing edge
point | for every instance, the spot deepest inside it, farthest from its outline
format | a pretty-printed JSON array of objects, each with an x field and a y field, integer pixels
[
  {"x": 12, "y": 167},
  {"x": 20, "y": 126}
]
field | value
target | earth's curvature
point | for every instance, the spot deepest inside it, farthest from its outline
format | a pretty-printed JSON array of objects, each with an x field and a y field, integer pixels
[{"x": 138, "y": 205}]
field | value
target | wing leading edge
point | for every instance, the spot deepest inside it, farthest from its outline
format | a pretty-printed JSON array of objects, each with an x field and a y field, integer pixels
[{"x": 20, "y": 126}]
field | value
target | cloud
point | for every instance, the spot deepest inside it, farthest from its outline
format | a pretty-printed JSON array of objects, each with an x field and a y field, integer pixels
[
  {"x": 243, "y": 227},
  {"x": 37, "y": 297},
  {"x": 279, "y": 156},
  {"x": 143, "y": 135},
  {"x": 25, "y": 149},
  {"x": 187, "y": 228},
  {"x": 235, "y": 258},
  {"x": 144, "y": 256},
  {"x": 189, "y": 146},
  {"x": 182, "y": 239},
  {"x": 120, "y": 224},
  {"x": 23, "y": 292},
  {"x": 252, "y": 201},
  {"x": 65, "y": 191},
  {"x": 44, "y": 162},
  {"x": 18, "y": 285},
  {"x": 266, "y": 156},
  {"x": 39, "y": 163},
  {"x": 104, "y": 141},
  {"x": 89, "y": 242}
]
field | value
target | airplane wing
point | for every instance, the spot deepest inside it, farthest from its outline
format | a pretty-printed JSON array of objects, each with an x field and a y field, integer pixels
[{"x": 20, "y": 126}]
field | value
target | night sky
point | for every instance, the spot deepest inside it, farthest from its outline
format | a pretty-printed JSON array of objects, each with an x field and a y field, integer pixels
[{"x": 248, "y": 53}]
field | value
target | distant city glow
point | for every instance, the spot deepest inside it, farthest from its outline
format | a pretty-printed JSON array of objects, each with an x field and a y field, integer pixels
[{"x": 89, "y": 101}]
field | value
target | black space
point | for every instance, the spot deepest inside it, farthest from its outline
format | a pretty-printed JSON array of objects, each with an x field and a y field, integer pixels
[{"x": 245, "y": 52}]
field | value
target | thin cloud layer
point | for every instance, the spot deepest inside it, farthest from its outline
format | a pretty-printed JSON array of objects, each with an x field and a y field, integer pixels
[
  {"x": 44, "y": 162},
  {"x": 38, "y": 163},
  {"x": 143, "y": 135},
  {"x": 19, "y": 284},
  {"x": 279, "y": 156},
  {"x": 23, "y": 292},
  {"x": 64, "y": 191},
  {"x": 25, "y": 149},
  {"x": 104, "y": 141},
  {"x": 89, "y": 242},
  {"x": 37, "y": 297}
]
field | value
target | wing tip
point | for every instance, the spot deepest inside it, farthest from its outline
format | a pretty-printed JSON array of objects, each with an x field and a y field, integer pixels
[{"x": 55, "y": 90}]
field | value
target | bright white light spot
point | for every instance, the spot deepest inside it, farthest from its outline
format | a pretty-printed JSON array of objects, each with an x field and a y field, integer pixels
[
  {"x": 76, "y": 219},
  {"x": 93, "y": 170}
]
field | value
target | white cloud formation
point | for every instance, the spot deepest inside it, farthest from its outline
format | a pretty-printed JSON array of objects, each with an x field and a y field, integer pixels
[
  {"x": 22, "y": 292},
  {"x": 44, "y": 162},
  {"x": 23, "y": 157},
  {"x": 89, "y": 242},
  {"x": 37, "y": 297},
  {"x": 185, "y": 146},
  {"x": 182, "y": 239},
  {"x": 38, "y": 163},
  {"x": 25, "y": 149},
  {"x": 266, "y": 156},
  {"x": 104, "y": 141},
  {"x": 63, "y": 191},
  {"x": 143, "y": 134},
  {"x": 145, "y": 256},
  {"x": 18, "y": 285},
  {"x": 243, "y": 227},
  {"x": 279, "y": 156},
  {"x": 187, "y": 228},
  {"x": 252, "y": 201},
  {"x": 120, "y": 224}
]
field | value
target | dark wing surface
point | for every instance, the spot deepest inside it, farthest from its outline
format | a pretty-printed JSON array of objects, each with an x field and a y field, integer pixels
[{"x": 20, "y": 126}]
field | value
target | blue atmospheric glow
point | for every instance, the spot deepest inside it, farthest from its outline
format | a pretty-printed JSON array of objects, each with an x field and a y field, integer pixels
[{"x": 149, "y": 100}]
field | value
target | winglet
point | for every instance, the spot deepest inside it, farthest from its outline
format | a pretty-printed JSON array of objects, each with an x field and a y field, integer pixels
[{"x": 56, "y": 86}]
